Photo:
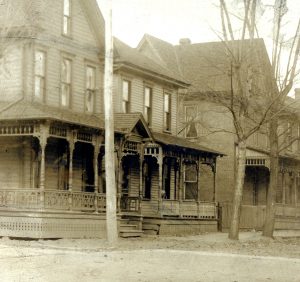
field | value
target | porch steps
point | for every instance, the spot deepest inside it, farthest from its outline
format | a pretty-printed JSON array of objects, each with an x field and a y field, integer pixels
[{"x": 128, "y": 229}]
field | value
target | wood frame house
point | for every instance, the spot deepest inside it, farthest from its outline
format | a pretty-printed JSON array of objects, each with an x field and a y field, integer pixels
[
  {"x": 202, "y": 118},
  {"x": 52, "y": 172}
]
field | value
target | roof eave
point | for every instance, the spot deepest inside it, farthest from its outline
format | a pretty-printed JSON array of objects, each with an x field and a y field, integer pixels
[{"x": 133, "y": 67}]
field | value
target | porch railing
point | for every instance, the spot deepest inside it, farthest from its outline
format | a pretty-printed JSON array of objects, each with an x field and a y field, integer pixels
[
  {"x": 189, "y": 209},
  {"x": 52, "y": 200},
  {"x": 62, "y": 200}
]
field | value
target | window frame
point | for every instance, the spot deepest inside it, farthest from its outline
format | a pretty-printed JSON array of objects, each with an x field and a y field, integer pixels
[
  {"x": 168, "y": 114},
  {"x": 195, "y": 181},
  {"x": 128, "y": 101},
  {"x": 69, "y": 98},
  {"x": 194, "y": 107},
  {"x": 68, "y": 17},
  {"x": 42, "y": 77},
  {"x": 91, "y": 90},
  {"x": 148, "y": 115}
]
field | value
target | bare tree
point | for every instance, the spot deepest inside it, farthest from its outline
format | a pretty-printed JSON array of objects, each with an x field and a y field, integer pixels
[
  {"x": 274, "y": 97},
  {"x": 285, "y": 80},
  {"x": 249, "y": 89}
]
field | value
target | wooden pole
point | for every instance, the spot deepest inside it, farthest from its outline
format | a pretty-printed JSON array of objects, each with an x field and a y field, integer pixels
[{"x": 111, "y": 195}]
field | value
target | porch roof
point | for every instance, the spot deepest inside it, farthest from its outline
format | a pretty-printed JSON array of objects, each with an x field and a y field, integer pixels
[
  {"x": 26, "y": 110},
  {"x": 175, "y": 141}
]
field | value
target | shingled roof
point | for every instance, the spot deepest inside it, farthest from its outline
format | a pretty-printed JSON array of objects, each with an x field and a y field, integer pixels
[
  {"x": 204, "y": 65},
  {"x": 178, "y": 142},
  {"x": 125, "y": 55},
  {"x": 26, "y": 110}
]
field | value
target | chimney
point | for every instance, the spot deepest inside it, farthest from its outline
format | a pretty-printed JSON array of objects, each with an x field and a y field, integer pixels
[
  {"x": 297, "y": 94},
  {"x": 185, "y": 41}
]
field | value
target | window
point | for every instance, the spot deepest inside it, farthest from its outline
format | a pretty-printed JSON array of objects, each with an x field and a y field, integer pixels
[
  {"x": 66, "y": 69},
  {"x": 148, "y": 104},
  {"x": 67, "y": 18},
  {"x": 190, "y": 116},
  {"x": 126, "y": 96},
  {"x": 289, "y": 138},
  {"x": 190, "y": 182},
  {"x": 90, "y": 89},
  {"x": 167, "y": 112},
  {"x": 39, "y": 74}
]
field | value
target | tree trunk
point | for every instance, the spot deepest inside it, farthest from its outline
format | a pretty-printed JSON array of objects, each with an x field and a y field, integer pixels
[
  {"x": 111, "y": 193},
  {"x": 238, "y": 191},
  {"x": 271, "y": 195}
]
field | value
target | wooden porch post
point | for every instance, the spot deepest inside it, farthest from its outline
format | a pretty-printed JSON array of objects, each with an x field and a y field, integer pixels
[
  {"x": 97, "y": 142},
  {"x": 295, "y": 187},
  {"x": 181, "y": 184},
  {"x": 160, "y": 178},
  {"x": 71, "y": 150},
  {"x": 283, "y": 187},
  {"x": 198, "y": 180},
  {"x": 199, "y": 187},
  {"x": 141, "y": 170},
  {"x": 43, "y": 143}
]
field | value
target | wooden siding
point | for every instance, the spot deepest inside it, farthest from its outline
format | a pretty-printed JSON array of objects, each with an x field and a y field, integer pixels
[
  {"x": 11, "y": 74},
  {"x": 15, "y": 155},
  {"x": 137, "y": 99}
]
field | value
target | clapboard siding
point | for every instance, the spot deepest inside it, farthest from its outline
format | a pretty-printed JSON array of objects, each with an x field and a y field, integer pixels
[
  {"x": 10, "y": 165},
  {"x": 137, "y": 98},
  {"x": 11, "y": 74}
]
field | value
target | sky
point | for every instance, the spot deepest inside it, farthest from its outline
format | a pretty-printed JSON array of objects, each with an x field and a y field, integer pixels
[
  {"x": 198, "y": 20},
  {"x": 171, "y": 20}
]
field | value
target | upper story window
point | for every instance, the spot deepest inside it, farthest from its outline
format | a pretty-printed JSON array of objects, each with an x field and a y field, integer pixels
[
  {"x": 126, "y": 88},
  {"x": 148, "y": 104},
  {"x": 66, "y": 74},
  {"x": 90, "y": 89},
  {"x": 39, "y": 74},
  {"x": 190, "y": 116},
  {"x": 167, "y": 112},
  {"x": 67, "y": 18},
  {"x": 289, "y": 138}
]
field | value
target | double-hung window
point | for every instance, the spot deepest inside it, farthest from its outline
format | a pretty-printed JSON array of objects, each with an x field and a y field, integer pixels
[
  {"x": 90, "y": 89},
  {"x": 167, "y": 112},
  {"x": 126, "y": 87},
  {"x": 66, "y": 75},
  {"x": 67, "y": 18},
  {"x": 190, "y": 182},
  {"x": 148, "y": 104},
  {"x": 39, "y": 74},
  {"x": 190, "y": 115}
]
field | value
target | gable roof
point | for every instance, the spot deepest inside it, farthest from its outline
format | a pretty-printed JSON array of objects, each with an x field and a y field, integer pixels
[
  {"x": 129, "y": 57},
  {"x": 204, "y": 65},
  {"x": 163, "y": 50},
  {"x": 179, "y": 142},
  {"x": 95, "y": 18}
]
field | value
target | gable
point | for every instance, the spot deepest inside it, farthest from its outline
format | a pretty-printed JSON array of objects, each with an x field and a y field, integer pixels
[{"x": 87, "y": 24}]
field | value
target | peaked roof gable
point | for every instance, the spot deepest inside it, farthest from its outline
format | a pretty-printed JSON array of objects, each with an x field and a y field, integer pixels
[
  {"x": 95, "y": 19},
  {"x": 204, "y": 65},
  {"x": 128, "y": 56}
]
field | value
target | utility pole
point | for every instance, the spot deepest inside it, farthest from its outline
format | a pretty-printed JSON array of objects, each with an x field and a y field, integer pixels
[{"x": 111, "y": 206}]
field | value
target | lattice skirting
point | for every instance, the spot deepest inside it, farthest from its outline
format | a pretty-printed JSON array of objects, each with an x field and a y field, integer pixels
[{"x": 54, "y": 225}]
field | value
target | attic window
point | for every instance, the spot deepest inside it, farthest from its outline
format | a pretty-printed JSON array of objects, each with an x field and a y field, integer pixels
[
  {"x": 190, "y": 116},
  {"x": 67, "y": 18}
]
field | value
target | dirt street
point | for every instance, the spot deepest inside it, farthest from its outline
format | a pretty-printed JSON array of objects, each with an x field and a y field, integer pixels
[{"x": 207, "y": 257}]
